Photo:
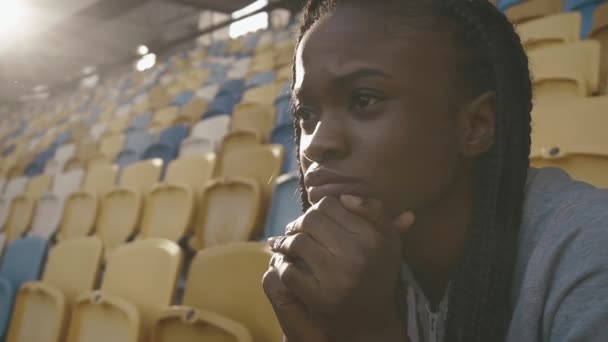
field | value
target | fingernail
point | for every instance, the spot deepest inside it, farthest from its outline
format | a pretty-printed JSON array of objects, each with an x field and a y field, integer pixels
[
  {"x": 276, "y": 242},
  {"x": 351, "y": 200},
  {"x": 405, "y": 220},
  {"x": 272, "y": 241}
]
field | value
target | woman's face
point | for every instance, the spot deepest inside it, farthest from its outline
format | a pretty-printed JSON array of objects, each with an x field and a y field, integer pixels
[{"x": 379, "y": 110}]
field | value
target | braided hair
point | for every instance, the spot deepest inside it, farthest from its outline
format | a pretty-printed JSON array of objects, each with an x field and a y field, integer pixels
[{"x": 479, "y": 296}]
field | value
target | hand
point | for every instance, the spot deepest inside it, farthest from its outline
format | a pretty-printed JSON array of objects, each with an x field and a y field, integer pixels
[{"x": 342, "y": 260}]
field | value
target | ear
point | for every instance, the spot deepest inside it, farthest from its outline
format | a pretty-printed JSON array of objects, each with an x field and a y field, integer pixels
[{"x": 477, "y": 125}]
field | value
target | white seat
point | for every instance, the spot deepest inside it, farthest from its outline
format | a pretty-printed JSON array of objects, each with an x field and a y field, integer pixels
[
  {"x": 98, "y": 130},
  {"x": 123, "y": 111},
  {"x": 196, "y": 146},
  {"x": 47, "y": 216},
  {"x": 67, "y": 182},
  {"x": 213, "y": 129},
  {"x": 208, "y": 92}
]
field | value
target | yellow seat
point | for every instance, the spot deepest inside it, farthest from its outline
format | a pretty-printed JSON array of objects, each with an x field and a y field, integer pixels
[
  {"x": 223, "y": 287},
  {"x": 194, "y": 171},
  {"x": 257, "y": 118},
  {"x": 111, "y": 146},
  {"x": 550, "y": 30},
  {"x": 572, "y": 135},
  {"x": 195, "y": 109},
  {"x": 237, "y": 141},
  {"x": 285, "y": 73},
  {"x": 264, "y": 94},
  {"x": 81, "y": 207},
  {"x": 159, "y": 97},
  {"x": 120, "y": 211},
  {"x": 38, "y": 186},
  {"x": 168, "y": 212},
  {"x": 217, "y": 223},
  {"x": 119, "y": 125},
  {"x": 599, "y": 32},
  {"x": 260, "y": 162},
  {"x": 42, "y": 308},
  {"x": 261, "y": 63},
  {"x": 565, "y": 71},
  {"x": 139, "y": 283},
  {"x": 19, "y": 218},
  {"x": 285, "y": 52},
  {"x": 532, "y": 9},
  {"x": 164, "y": 118}
]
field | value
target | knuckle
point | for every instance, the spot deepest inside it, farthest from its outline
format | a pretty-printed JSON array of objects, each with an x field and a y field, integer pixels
[
  {"x": 270, "y": 281},
  {"x": 325, "y": 204},
  {"x": 310, "y": 219},
  {"x": 297, "y": 242}
]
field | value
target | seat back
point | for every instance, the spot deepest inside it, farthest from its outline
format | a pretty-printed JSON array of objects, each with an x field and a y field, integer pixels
[
  {"x": 196, "y": 146},
  {"x": 264, "y": 94},
  {"x": 79, "y": 214},
  {"x": 195, "y": 171},
  {"x": 285, "y": 206},
  {"x": 213, "y": 129},
  {"x": 118, "y": 217},
  {"x": 19, "y": 218},
  {"x": 226, "y": 280},
  {"x": 22, "y": 262},
  {"x": 570, "y": 63},
  {"x": 599, "y": 32},
  {"x": 112, "y": 145},
  {"x": 164, "y": 117},
  {"x": 126, "y": 158},
  {"x": 532, "y": 9},
  {"x": 195, "y": 109},
  {"x": 38, "y": 186},
  {"x": 168, "y": 212},
  {"x": 141, "y": 121},
  {"x": 142, "y": 175},
  {"x": 161, "y": 151},
  {"x": 145, "y": 273},
  {"x": 100, "y": 179},
  {"x": 139, "y": 140},
  {"x": 551, "y": 30},
  {"x": 67, "y": 182},
  {"x": 262, "y": 163},
  {"x": 65, "y": 152},
  {"x": 238, "y": 141},
  {"x": 15, "y": 187},
  {"x": 216, "y": 223},
  {"x": 47, "y": 216},
  {"x": 257, "y": 118},
  {"x": 173, "y": 136},
  {"x": 284, "y": 136},
  {"x": 571, "y": 135}
]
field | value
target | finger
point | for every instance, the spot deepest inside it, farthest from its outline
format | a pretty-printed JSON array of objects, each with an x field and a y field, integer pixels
[
  {"x": 301, "y": 247},
  {"x": 302, "y": 283},
  {"x": 374, "y": 211},
  {"x": 296, "y": 321},
  {"x": 327, "y": 232}
]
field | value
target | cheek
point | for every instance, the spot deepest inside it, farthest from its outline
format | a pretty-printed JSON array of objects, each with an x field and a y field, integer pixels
[{"x": 412, "y": 163}]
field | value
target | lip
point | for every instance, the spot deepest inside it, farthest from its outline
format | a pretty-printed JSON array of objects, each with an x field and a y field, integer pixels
[{"x": 323, "y": 182}]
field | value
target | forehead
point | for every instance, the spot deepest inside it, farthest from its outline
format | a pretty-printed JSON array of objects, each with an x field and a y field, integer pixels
[{"x": 350, "y": 37}]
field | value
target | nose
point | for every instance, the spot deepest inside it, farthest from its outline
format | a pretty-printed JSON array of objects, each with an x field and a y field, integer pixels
[{"x": 328, "y": 141}]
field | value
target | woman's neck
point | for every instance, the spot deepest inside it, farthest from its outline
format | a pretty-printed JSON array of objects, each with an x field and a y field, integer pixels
[{"x": 434, "y": 246}]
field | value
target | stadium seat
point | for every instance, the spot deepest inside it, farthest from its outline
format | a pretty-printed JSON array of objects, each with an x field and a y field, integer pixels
[
  {"x": 223, "y": 103},
  {"x": 196, "y": 146},
  {"x": 49, "y": 208},
  {"x": 168, "y": 212},
  {"x": 123, "y": 111},
  {"x": 261, "y": 79},
  {"x": 257, "y": 118},
  {"x": 283, "y": 111},
  {"x": 571, "y": 135},
  {"x": 195, "y": 171},
  {"x": 239, "y": 68},
  {"x": 159, "y": 97},
  {"x": 2, "y": 244},
  {"x": 111, "y": 146},
  {"x": 532, "y": 9},
  {"x": 160, "y": 151},
  {"x": 285, "y": 52},
  {"x": 98, "y": 130},
  {"x": 19, "y": 218},
  {"x": 38, "y": 186},
  {"x": 264, "y": 94},
  {"x": 566, "y": 71},
  {"x": 208, "y": 92},
  {"x": 140, "y": 122},
  {"x": 599, "y": 32},
  {"x": 587, "y": 9},
  {"x": 81, "y": 207},
  {"x": 126, "y": 158},
  {"x": 285, "y": 73},
  {"x": 119, "y": 213},
  {"x": 42, "y": 308},
  {"x": 182, "y": 98},
  {"x": 550, "y": 30},
  {"x": 221, "y": 305},
  {"x": 163, "y": 118},
  {"x": 139, "y": 283},
  {"x": 284, "y": 135},
  {"x": 285, "y": 206},
  {"x": 216, "y": 223},
  {"x": 213, "y": 129},
  {"x": 194, "y": 110},
  {"x": 174, "y": 135},
  {"x": 237, "y": 141},
  {"x": 118, "y": 125},
  {"x": 62, "y": 155},
  {"x": 22, "y": 262},
  {"x": 138, "y": 141}
]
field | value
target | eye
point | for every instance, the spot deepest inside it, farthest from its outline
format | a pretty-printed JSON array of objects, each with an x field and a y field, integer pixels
[
  {"x": 363, "y": 100},
  {"x": 306, "y": 116}
]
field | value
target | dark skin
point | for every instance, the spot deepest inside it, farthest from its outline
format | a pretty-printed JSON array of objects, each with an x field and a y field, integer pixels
[{"x": 403, "y": 135}]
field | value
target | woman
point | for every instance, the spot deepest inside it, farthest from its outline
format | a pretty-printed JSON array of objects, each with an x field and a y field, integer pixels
[{"x": 423, "y": 221}]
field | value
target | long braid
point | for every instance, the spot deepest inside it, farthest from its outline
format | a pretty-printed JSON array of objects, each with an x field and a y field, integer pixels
[{"x": 479, "y": 299}]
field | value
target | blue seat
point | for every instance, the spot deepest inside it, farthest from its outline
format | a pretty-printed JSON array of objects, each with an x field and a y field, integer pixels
[
  {"x": 285, "y": 205},
  {"x": 218, "y": 74},
  {"x": 163, "y": 151},
  {"x": 91, "y": 119},
  {"x": 217, "y": 48},
  {"x": 23, "y": 261},
  {"x": 36, "y": 167},
  {"x": 284, "y": 135},
  {"x": 223, "y": 103},
  {"x": 173, "y": 136},
  {"x": 139, "y": 141},
  {"x": 126, "y": 158},
  {"x": 182, "y": 98},
  {"x": 140, "y": 122},
  {"x": 262, "y": 78},
  {"x": 9, "y": 150},
  {"x": 63, "y": 138},
  {"x": 236, "y": 87},
  {"x": 505, "y": 4},
  {"x": 587, "y": 8},
  {"x": 283, "y": 107}
]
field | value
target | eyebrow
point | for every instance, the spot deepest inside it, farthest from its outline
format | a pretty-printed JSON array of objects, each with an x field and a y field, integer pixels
[{"x": 348, "y": 78}]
